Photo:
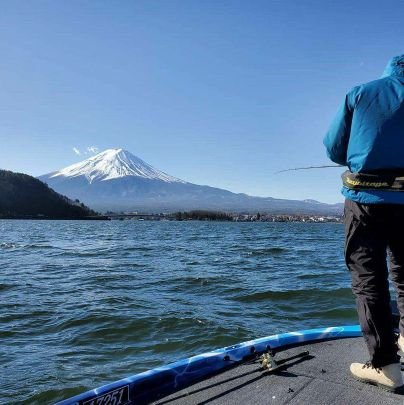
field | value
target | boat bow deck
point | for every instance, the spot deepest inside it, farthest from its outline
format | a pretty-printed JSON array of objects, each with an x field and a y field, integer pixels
[{"x": 323, "y": 377}]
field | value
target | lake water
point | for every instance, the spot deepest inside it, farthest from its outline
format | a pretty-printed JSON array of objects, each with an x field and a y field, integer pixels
[{"x": 86, "y": 303}]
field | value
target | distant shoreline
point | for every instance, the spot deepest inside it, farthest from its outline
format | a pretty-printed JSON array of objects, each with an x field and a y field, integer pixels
[
  {"x": 190, "y": 216},
  {"x": 217, "y": 216}
]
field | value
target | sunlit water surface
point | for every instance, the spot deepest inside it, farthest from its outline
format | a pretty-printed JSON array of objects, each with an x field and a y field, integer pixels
[{"x": 86, "y": 303}]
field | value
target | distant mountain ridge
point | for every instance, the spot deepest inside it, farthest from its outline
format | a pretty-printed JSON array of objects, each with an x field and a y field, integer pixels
[
  {"x": 24, "y": 196},
  {"x": 115, "y": 179}
]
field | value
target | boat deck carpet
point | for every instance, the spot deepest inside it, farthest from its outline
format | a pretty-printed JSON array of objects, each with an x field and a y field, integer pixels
[{"x": 322, "y": 377}]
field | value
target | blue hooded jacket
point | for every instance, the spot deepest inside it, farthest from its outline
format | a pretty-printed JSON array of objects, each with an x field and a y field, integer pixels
[{"x": 367, "y": 134}]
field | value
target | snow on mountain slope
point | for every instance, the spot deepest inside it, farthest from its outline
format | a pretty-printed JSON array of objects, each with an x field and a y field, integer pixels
[
  {"x": 119, "y": 181},
  {"x": 113, "y": 164}
]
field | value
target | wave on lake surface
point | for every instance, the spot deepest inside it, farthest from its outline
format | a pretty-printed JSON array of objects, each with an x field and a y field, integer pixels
[{"x": 86, "y": 303}]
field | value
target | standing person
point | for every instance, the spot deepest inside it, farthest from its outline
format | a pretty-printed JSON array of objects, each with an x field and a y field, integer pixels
[{"x": 367, "y": 136}]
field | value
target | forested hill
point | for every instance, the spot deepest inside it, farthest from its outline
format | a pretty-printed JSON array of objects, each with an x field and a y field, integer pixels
[{"x": 23, "y": 196}]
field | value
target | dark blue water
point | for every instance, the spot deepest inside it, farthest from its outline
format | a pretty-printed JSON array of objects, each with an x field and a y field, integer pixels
[{"x": 85, "y": 303}]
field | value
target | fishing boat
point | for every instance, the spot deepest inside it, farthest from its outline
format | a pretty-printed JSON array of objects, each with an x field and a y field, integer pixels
[{"x": 303, "y": 367}]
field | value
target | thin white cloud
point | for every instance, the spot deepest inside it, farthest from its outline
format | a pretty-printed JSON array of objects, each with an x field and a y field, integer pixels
[
  {"x": 76, "y": 151},
  {"x": 92, "y": 149}
]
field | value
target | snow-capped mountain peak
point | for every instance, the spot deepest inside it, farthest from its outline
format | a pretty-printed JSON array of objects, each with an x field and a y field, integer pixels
[
  {"x": 112, "y": 164},
  {"x": 119, "y": 181}
]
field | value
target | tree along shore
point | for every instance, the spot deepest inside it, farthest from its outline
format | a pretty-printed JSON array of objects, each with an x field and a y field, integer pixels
[
  {"x": 25, "y": 197},
  {"x": 202, "y": 215}
]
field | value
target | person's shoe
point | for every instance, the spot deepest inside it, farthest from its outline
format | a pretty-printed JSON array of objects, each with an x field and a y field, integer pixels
[
  {"x": 400, "y": 343},
  {"x": 388, "y": 377}
]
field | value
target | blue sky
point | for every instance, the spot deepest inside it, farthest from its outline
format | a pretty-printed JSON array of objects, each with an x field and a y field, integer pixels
[{"x": 223, "y": 93}]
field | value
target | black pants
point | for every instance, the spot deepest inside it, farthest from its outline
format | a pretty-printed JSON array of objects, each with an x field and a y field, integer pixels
[{"x": 374, "y": 232}]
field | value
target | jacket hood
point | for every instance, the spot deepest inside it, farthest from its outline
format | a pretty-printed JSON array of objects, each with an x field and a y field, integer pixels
[{"x": 395, "y": 67}]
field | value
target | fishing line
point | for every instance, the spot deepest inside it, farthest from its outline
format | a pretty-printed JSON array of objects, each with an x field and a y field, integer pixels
[{"x": 308, "y": 168}]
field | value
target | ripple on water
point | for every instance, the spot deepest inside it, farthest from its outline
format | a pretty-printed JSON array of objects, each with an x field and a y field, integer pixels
[
  {"x": 301, "y": 295},
  {"x": 7, "y": 245},
  {"x": 267, "y": 251},
  {"x": 6, "y": 286}
]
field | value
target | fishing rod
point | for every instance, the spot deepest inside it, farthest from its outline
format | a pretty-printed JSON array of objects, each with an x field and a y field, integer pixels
[{"x": 307, "y": 168}]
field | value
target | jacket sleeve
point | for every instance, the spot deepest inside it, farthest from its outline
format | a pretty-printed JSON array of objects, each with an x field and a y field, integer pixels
[{"x": 337, "y": 138}]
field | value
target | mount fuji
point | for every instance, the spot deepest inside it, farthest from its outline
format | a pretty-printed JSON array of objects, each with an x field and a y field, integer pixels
[
  {"x": 115, "y": 179},
  {"x": 112, "y": 164}
]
